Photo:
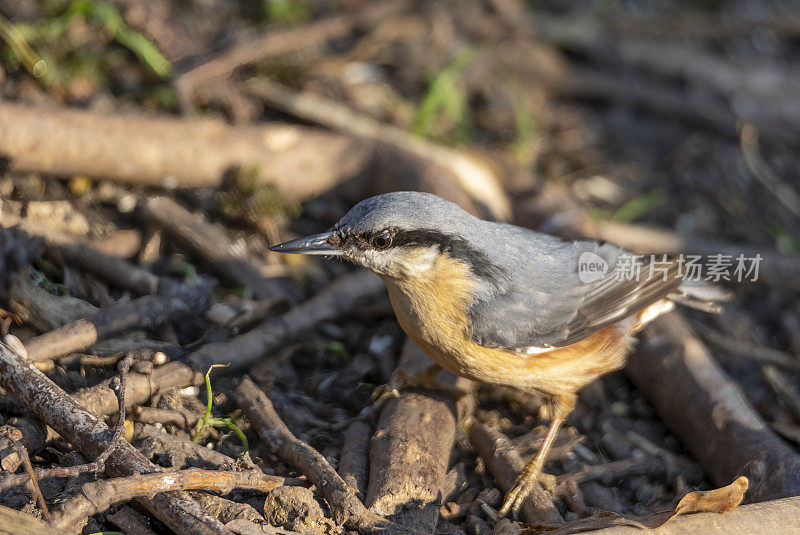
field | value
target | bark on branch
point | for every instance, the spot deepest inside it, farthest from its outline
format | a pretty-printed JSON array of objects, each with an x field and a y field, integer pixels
[
  {"x": 344, "y": 504},
  {"x": 90, "y": 435},
  {"x": 148, "y": 311},
  {"x": 709, "y": 413},
  {"x": 337, "y": 300},
  {"x": 97, "y": 496},
  {"x": 166, "y": 151}
]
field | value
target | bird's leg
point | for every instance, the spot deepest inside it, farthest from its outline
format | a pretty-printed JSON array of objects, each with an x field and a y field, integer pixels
[
  {"x": 425, "y": 378},
  {"x": 532, "y": 472}
]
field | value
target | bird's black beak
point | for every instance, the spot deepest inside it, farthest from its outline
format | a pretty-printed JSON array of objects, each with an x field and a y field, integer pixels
[{"x": 319, "y": 244}]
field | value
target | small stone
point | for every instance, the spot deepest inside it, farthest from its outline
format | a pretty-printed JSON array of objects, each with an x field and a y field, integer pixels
[{"x": 296, "y": 509}]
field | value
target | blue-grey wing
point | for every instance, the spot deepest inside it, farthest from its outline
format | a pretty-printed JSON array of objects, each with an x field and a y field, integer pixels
[{"x": 565, "y": 293}]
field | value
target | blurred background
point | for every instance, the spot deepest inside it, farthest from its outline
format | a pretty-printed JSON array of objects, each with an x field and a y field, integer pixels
[{"x": 664, "y": 126}]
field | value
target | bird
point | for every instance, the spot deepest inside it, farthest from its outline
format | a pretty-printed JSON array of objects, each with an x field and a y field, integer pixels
[{"x": 506, "y": 305}]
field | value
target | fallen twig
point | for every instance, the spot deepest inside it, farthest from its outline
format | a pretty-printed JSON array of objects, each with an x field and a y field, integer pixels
[
  {"x": 172, "y": 152},
  {"x": 154, "y": 415},
  {"x": 110, "y": 268},
  {"x": 97, "y": 496},
  {"x": 471, "y": 176},
  {"x": 28, "y": 432},
  {"x": 142, "y": 387},
  {"x": 90, "y": 435},
  {"x": 14, "y": 522},
  {"x": 98, "y": 465},
  {"x": 410, "y": 450},
  {"x": 193, "y": 232},
  {"x": 505, "y": 464},
  {"x": 275, "y": 43},
  {"x": 777, "y": 516},
  {"x": 337, "y": 300},
  {"x": 131, "y": 522},
  {"x": 354, "y": 462},
  {"x": 45, "y": 311},
  {"x": 177, "y": 301},
  {"x": 709, "y": 413},
  {"x": 32, "y": 478},
  {"x": 101, "y": 401},
  {"x": 152, "y": 441},
  {"x": 743, "y": 348},
  {"x": 775, "y": 185},
  {"x": 344, "y": 504}
]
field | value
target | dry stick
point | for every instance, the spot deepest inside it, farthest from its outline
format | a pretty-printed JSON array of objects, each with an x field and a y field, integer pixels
[
  {"x": 709, "y": 413},
  {"x": 652, "y": 466},
  {"x": 354, "y": 462},
  {"x": 154, "y": 415},
  {"x": 777, "y": 516},
  {"x": 280, "y": 42},
  {"x": 102, "y": 401},
  {"x": 337, "y": 300},
  {"x": 704, "y": 112},
  {"x": 99, "y": 464},
  {"x": 148, "y": 311},
  {"x": 34, "y": 480},
  {"x": 141, "y": 387},
  {"x": 38, "y": 307},
  {"x": 97, "y": 496},
  {"x": 470, "y": 175},
  {"x": 173, "y": 152},
  {"x": 153, "y": 441},
  {"x": 122, "y": 243},
  {"x": 227, "y": 510},
  {"x": 28, "y": 432},
  {"x": 767, "y": 355},
  {"x": 505, "y": 464},
  {"x": 775, "y": 185},
  {"x": 205, "y": 240},
  {"x": 87, "y": 432},
  {"x": 113, "y": 269},
  {"x": 786, "y": 390},
  {"x": 343, "y": 503},
  {"x": 672, "y": 60},
  {"x": 14, "y": 522},
  {"x": 411, "y": 448}
]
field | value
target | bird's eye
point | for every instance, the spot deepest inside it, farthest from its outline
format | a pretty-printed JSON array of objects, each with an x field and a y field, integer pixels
[{"x": 381, "y": 241}]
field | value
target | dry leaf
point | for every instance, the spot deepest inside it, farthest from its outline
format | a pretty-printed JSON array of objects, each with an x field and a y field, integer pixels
[{"x": 714, "y": 501}]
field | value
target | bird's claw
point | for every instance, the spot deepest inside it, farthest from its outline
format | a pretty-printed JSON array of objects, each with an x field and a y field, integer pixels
[
  {"x": 523, "y": 487},
  {"x": 426, "y": 379}
]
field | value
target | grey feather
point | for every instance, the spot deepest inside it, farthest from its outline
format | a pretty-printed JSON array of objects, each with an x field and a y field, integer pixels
[{"x": 535, "y": 296}]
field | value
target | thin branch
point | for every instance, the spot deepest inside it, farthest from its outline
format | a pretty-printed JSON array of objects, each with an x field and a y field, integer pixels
[
  {"x": 345, "y": 506},
  {"x": 90, "y": 435},
  {"x": 29, "y": 471},
  {"x": 97, "y": 496},
  {"x": 96, "y": 466}
]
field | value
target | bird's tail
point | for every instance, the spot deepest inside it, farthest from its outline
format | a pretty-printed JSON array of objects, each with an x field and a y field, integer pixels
[{"x": 700, "y": 295}]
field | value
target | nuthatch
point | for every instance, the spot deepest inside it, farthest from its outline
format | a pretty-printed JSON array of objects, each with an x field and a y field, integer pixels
[{"x": 502, "y": 304}]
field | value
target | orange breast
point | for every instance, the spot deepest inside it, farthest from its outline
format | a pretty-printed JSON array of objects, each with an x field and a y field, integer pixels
[{"x": 431, "y": 308}]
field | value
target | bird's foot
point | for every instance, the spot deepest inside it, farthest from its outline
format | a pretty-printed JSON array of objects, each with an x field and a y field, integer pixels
[
  {"x": 525, "y": 484},
  {"x": 426, "y": 378}
]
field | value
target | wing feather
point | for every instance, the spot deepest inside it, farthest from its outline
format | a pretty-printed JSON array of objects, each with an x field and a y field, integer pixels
[{"x": 558, "y": 310}]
